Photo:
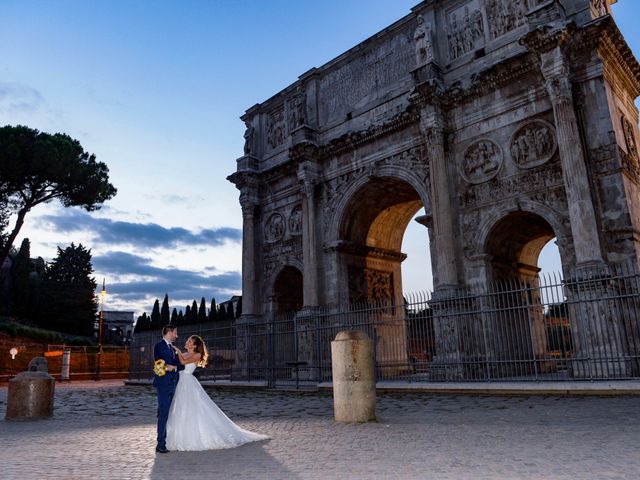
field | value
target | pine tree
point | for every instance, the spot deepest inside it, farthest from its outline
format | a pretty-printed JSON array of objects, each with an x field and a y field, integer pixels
[
  {"x": 165, "y": 318},
  {"x": 213, "y": 313},
  {"x": 156, "y": 318},
  {"x": 202, "y": 311},
  {"x": 174, "y": 317},
  {"x": 68, "y": 292}
]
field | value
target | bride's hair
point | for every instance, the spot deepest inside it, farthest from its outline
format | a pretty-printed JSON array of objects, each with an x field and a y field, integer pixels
[{"x": 200, "y": 348}]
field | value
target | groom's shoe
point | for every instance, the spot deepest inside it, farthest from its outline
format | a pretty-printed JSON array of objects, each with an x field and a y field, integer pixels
[{"x": 162, "y": 450}]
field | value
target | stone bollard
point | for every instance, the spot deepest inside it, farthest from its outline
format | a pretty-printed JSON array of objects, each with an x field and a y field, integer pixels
[
  {"x": 66, "y": 364},
  {"x": 30, "y": 396},
  {"x": 354, "y": 381}
]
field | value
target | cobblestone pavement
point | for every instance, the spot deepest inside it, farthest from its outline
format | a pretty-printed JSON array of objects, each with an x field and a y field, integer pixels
[{"x": 106, "y": 431}]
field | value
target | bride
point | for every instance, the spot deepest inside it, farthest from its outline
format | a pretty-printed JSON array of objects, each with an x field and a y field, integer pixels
[{"x": 195, "y": 421}]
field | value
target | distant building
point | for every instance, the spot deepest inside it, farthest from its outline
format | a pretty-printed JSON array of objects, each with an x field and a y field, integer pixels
[
  {"x": 117, "y": 325},
  {"x": 234, "y": 304}
]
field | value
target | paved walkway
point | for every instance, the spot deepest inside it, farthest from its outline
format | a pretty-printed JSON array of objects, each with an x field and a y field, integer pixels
[{"x": 106, "y": 431}]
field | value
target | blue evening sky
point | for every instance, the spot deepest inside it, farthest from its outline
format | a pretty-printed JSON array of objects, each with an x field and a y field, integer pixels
[{"x": 154, "y": 89}]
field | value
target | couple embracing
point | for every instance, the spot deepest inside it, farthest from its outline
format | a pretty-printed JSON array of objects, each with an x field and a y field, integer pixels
[{"x": 188, "y": 420}]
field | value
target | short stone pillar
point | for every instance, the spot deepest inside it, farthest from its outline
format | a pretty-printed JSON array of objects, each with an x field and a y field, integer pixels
[
  {"x": 354, "y": 380},
  {"x": 30, "y": 396},
  {"x": 66, "y": 365}
]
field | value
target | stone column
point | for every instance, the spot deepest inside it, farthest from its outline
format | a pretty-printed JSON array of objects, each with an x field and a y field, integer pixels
[
  {"x": 308, "y": 182},
  {"x": 444, "y": 242},
  {"x": 576, "y": 180},
  {"x": 249, "y": 204},
  {"x": 446, "y": 313}
]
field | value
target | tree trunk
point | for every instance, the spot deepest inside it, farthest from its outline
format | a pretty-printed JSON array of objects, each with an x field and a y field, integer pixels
[{"x": 6, "y": 248}]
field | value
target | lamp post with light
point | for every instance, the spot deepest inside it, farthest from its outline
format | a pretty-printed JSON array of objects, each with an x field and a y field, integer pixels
[
  {"x": 103, "y": 293},
  {"x": 13, "y": 352}
]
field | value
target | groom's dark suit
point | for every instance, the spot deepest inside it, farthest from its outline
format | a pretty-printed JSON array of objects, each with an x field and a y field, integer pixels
[{"x": 166, "y": 387}]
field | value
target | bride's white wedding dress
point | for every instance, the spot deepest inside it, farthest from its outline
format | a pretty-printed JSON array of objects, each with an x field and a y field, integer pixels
[{"x": 196, "y": 423}]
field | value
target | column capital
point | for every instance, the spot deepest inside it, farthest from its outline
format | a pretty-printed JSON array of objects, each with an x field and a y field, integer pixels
[
  {"x": 434, "y": 135},
  {"x": 429, "y": 94},
  {"x": 557, "y": 75},
  {"x": 304, "y": 152},
  {"x": 309, "y": 177},
  {"x": 245, "y": 180},
  {"x": 248, "y": 204},
  {"x": 559, "y": 89}
]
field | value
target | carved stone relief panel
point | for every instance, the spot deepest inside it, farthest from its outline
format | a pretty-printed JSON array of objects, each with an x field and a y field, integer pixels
[
  {"x": 276, "y": 128},
  {"x": 498, "y": 189},
  {"x": 380, "y": 285},
  {"x": 412, "y": 159},
  {"x": 274, "y": 228},
  {"x": 465, "y": 29},
  {"x": 295, "y": 221},
  {"x": 533, "y": 144},
  {"x": 629, "y": 137},
  {"x": 630, "y": 165},
  {"x": 469, "y": 225},
  {"x": 369, "y": 285},
  {"x": 481, "y": 161},
  {"x": 366, "y": 77},
  {"x": 284, "y": 252},
  {"x": 504, "y": 16},
  {"x": 297, "y": 106}
]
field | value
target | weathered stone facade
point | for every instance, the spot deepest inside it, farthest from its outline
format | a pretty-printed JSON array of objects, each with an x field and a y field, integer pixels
[{"x": 510, "y": 122}]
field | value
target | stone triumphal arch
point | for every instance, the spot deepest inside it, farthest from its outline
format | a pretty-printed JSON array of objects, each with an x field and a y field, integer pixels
[{"x": 511, "y": 122}]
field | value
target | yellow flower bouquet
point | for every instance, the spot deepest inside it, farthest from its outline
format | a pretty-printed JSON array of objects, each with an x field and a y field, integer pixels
[{"x": 160, "y": 368}]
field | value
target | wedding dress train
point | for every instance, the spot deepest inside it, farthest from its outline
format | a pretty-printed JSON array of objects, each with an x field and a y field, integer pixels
[{"x": 196, "y": 423}]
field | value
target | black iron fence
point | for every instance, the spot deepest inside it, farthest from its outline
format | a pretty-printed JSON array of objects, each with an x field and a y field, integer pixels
[{"x": 586, "y": 327}]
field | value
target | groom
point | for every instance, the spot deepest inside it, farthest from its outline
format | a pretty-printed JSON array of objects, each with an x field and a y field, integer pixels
[{"x": 166, "y": 384}]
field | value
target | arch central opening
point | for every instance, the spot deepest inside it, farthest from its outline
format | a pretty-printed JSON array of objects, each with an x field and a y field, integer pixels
[
  {"x": 515, "y": 244},
  {"x": 526, "y": 328},
  {"x": 372, "y": 233}
]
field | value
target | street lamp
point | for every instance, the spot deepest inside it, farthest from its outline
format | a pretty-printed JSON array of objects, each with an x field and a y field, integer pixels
[
  {"x": 13, "y": 352},
  {"x": 103, "y": 293}
]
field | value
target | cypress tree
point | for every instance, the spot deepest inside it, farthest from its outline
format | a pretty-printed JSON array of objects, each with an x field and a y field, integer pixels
[
  {"x": 187, "y": 315},
  {"x": 213, "y": 313},
  {"x": 156, "y": 318},
  {"x": 202, "y": 311},
  {"x": 194, "y": 312},
  {"x": 142, "y": 324},
  {"x": 174, "y": 317},
  {"x": 180, "y": 318},
  {"x": 21, "y": 281},
  {"x": 165, "y": 318}
]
